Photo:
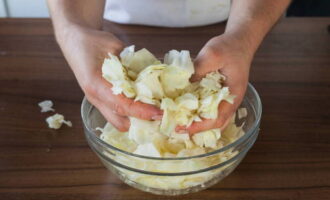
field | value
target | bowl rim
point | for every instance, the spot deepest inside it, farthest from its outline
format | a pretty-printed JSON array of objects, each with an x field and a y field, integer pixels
[{"x": 92, "y": 133}]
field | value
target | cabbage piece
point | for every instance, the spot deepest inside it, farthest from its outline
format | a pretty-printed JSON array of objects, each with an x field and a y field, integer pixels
[
  {"x": 241, "y": 113},
  {"x": 114, "y": 72},
  {"x": 140, "y": 75},
  {"x": 173, "y": 147},
  {"x": 176, "y": 76},
  {"x": 55, "y": 121},
  {"x": 194, "y": 118},
  {"x": 180, "y": 59},
  {"x": 181, "y": 138},
  {"x": 143, "y": 131},
  {"x": 132, "y": 75},
  {"x": 168, "y": 125},
  {"x": 187, "y": 101},
  {"x": 147, "y": 85},
  {"x": 117, "y": 138},
  {"x": 233, "y": 132},
  {"x": 46, "y": 106},
  {"x": 148, "y": 149},
  {"x": 209, "y": 104},
  {"x": 207, "y": 138},
  {"x": 212, "y": 81},
  {"x": 165, "y": 146},
  {"x": 212, "y": 93},
  {"x": 182, "y": 117},
  {"x": 107, "y": 129},
  {"x": 191, "y": 152},
  {"x": 137, "y": 61},
  {"x": 193, "y": 88},
  {"x": 178, "y": 112},
  {"x": 174, "y": 80},
  {"x": 169, "y": 155},
  {"x": 187, "y": 105},
  {"x": 126, "y": 55},
  {"x": 209, "y": 107}
]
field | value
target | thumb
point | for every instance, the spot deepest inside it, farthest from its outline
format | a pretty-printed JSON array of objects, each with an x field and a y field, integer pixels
[
  {"x": 206, "y": 61},
  {"x": 226, "y": 111},
  {"x": 109, "y": 43}
]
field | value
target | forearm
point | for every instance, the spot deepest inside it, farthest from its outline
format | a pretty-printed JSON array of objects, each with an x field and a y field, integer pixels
[
  {"x": 68, "y": 13},
  {"x": 251, "y": 20}
]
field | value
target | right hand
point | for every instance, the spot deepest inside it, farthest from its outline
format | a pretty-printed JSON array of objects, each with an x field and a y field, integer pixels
[{"x": 85, "y": 49}]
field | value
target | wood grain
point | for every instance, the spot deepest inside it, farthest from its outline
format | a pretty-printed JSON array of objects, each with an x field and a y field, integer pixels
[{"x": 290, "y": 160}]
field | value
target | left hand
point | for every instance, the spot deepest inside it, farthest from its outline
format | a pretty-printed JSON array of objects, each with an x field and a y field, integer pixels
[{"x": 228, "y": 55}]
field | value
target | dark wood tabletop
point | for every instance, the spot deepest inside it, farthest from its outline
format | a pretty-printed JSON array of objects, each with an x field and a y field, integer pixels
[{"x": 290, "y": 160}]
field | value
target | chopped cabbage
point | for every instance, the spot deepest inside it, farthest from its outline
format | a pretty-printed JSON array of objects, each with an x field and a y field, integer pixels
[
  {"x": 167, "y": 125},
  {"x": 148, "y": 149},
  {"x": 187, "y": 101},
  {"x": 143, "y": 131},
  {"x": 180, "y": 59},
  {"x": 209, "y": 104},
  {"x": 176, "y": 75},
  {"x": 126, "y": 56},
  {"x": 46, "y": 106},
  {"x": 241, "y": 113},
  {"x": 116, "y": 138},
  {"x": 148, "y": 86},
  {"x": 212, "y": 81},
  {"x": 137, "y": 61},
  {"x": 207, "y": 138},
  {"x": 114, "y": 72},
  {"x": 175, "y": 146},
  {"x": 55, "y": 121},
  {"x": 141, "y": 76}
]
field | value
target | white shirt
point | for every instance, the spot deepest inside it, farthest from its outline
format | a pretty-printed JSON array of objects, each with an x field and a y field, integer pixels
[{"x": 167, "y": 13}]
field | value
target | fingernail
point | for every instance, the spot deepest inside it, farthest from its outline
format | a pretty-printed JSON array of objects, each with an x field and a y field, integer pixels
[{"x": 157, "y": 117}]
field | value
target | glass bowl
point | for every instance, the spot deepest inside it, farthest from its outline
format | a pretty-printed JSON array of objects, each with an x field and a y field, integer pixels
[{"x": 176, "y": 175}]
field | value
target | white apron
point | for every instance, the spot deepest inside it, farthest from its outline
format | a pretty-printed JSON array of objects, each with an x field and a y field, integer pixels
[{"x": 167, "y": 13}]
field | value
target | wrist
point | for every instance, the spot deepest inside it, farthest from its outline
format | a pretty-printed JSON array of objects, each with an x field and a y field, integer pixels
[
  {"x": 230, "y": 44},
  {"x": 67, "y": 31},
  {"x": 249, "y": 33},
  {"x": 242, "y": 43}
]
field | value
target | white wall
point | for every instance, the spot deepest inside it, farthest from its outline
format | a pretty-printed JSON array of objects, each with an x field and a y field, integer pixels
[
  {"x": 27, "y": 8},
  {"x": 2, "y": 9}
]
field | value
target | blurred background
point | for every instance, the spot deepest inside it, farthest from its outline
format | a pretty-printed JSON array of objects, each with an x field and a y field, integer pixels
[
  {"x": 23, "y": 8},
  {"x": 38, "y": 8}
]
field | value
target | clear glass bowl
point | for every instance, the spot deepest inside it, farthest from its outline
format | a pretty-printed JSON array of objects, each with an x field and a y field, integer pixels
[{"x": 179, "y": 175}]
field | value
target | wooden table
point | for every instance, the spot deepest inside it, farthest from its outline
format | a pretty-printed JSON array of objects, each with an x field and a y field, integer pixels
[{"x": 290, "y": 160}]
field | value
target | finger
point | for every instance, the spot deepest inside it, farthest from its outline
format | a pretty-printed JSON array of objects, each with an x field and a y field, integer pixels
[
  {"x": 204, "y": 125},
  {"x": 121, "y": 123},
  {"x": 107, "y": 42},
  {"x": 124, "y": 106},
  {"x": 225, "y": 113},
  {"x": 237, "y": 86},
  {"x": 181, "y": 129},
  {"x": 197, "y": 127},
  {"x": 141, "y": 110},
  {"x": 115, "y": 47}
]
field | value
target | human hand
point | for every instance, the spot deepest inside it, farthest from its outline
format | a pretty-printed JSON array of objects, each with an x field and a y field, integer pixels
[
  {"x": 85, "y": 49},
  {"x": 226, "y": 54}
]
